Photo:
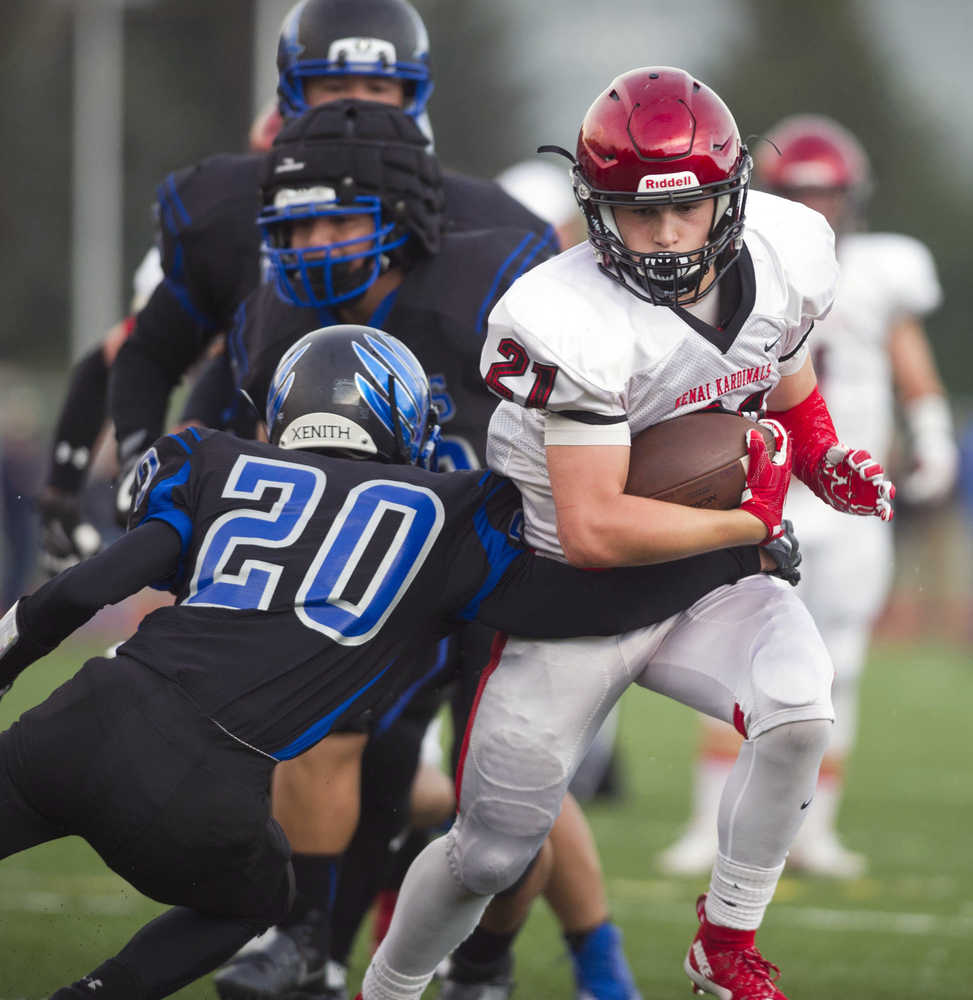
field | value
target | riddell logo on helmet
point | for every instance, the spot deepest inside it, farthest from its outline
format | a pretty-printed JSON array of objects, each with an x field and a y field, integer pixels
[{"x": 667, "y": 182}]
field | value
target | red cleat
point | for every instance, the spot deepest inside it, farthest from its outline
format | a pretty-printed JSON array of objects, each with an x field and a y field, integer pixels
[{"x": 730, "y": 974}]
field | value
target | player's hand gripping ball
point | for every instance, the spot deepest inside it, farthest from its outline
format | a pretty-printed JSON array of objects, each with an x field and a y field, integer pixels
[
  {"x": 768, "y": 477},
  {"x": 714, "y": 459}
]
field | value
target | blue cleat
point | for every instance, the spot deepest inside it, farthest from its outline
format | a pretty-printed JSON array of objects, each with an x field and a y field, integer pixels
[{"x": 601, "y": 970}]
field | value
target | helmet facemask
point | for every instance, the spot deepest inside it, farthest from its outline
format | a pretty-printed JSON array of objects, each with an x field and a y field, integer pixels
[
  {"x": 662, "y": 277},
  {"x": 328, "y": 274},
  {"x": 417, "y": 86}
]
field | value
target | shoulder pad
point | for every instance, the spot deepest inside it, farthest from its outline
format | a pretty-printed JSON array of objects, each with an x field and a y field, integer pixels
[
  {"x": 801, "y": 243},
  {"x": 193, "y": 195},
  {"x": 902, "y": 267}
]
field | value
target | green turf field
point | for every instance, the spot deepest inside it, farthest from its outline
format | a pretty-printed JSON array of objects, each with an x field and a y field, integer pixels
[{"x": 905, "y": 931}]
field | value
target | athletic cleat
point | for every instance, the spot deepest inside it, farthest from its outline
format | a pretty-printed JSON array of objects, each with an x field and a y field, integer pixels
[
  {"x": 282, "y": 966},
  {"x": 692, "y": 854},
  {"x": 733, "y": 974},
  {"x": 601, "y": 971},
  {"x": 826, "y": 856},
  {"x": 465, "y": 981}
]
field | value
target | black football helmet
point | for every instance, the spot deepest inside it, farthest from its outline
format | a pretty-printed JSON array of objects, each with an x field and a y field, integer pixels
[
  {"x": 353, "y": 37},
  {"x": 348, "y": 157},
  {"x": 355, "y": 391}
]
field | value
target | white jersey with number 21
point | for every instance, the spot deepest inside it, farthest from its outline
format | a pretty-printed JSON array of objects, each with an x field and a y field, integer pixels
[{"x": 578, "y": 359}]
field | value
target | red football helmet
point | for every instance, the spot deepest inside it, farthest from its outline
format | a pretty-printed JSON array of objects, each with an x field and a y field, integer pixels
[
  {"x": 658, "y": 136},
  {"x": 811, "y": 151}
]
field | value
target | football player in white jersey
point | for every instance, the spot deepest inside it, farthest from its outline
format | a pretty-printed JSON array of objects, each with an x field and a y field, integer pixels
[
  {"x": 870, "y": 350},
  {"x": 684, "y": 297}
]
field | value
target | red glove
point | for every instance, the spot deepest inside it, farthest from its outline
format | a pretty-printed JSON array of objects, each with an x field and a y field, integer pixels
[
  {"x": 849, "y": 480},
  {"x": 767, "y": 479}
]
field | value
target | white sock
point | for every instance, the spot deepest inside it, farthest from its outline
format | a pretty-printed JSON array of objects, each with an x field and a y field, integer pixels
[
  {"x": 739, "y": 894},
  {"x": 760, "y": 814},
  {"x": 433, "y": 914},
  {"x": 382, "y": 983}
]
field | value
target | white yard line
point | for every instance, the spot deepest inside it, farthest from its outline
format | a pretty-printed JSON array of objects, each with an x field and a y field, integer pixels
[{"x": 655, "y": 901}]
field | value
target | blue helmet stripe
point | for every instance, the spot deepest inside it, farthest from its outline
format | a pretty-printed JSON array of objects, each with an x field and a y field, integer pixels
[
  {"x": 403, "y": 369},
  {"x": 378, "y": 404},
  {"x": 282, "y": 382},
  {"x": 408, "y": 412}
]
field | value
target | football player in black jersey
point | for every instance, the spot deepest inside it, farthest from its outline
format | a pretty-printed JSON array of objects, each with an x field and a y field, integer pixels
[
  {"x": 327, "y": 50},
  {"x": 67, "y": 536},
  {"x": 303, "y": 584}
]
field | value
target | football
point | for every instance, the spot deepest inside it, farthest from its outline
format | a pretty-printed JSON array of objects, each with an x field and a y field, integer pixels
[{"x": 698, "y": 459}]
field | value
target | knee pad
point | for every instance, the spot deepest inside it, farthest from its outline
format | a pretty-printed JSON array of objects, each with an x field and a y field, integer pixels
[
  {"x": 486, "y": 862},
  {"x": 512, "y": 791}
]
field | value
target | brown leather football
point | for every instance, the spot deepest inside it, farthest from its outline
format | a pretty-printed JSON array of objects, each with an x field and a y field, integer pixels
[{"x": 694, "y": 460}]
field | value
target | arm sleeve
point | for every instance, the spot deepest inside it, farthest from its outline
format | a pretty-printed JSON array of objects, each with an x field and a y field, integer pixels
[
  {"x": 542, "y": 598},
  {"x": 65, "y": 603},
  {"x": 165, "y": 342},
  {"x": 81, "y": 418}
]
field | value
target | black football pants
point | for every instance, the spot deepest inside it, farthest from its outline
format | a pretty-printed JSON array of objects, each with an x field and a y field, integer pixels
[{"x": 118, "y": 756}]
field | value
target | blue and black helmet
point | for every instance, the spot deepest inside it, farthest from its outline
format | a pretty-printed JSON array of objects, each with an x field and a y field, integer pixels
[
  {"x": 355, "y": 391},
  {"x": 353, "y": 38},
  {"x": 348, "y": 158}
]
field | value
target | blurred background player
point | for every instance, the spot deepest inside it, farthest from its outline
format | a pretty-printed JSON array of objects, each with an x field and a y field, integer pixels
[
  {"x": 869, "y": 353},
  {"x": 67, "y": 533},
  {"x": 376, "y": 50}
]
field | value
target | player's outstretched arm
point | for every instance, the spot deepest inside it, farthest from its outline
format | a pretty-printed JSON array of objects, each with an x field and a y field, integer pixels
[
  {"x": 165, "y": 342},
  {"x": 845, "y": 478},
  {"x": 541, "y": 598},
  {"x": 36, "y": 624}
]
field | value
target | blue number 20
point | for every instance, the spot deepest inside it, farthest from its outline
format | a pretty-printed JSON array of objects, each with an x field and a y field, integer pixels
[
  {"x": 253, "y": 585},
  {"x": 319, "y": 602}
]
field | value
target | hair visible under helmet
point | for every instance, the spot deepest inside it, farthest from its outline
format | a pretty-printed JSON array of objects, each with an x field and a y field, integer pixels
[
  {"x": 348, "y": 158},
  {"x": 657, "y": 136},
  {"x": 356, "y": 391}
]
